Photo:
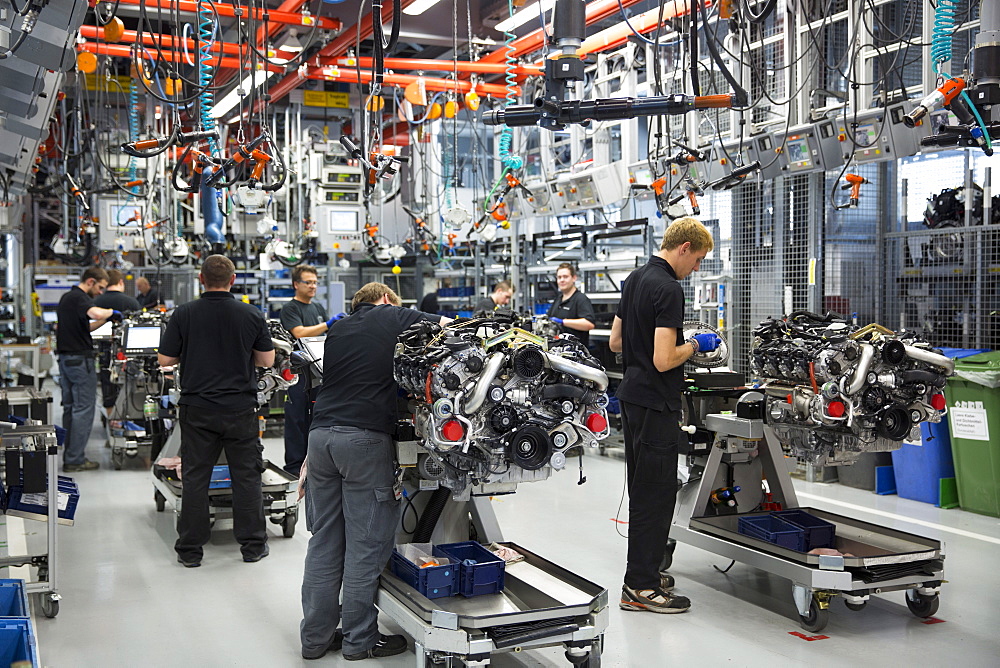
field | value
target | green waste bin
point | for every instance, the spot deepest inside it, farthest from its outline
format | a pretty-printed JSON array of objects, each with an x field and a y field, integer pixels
[{"x": 974, "y": 417}]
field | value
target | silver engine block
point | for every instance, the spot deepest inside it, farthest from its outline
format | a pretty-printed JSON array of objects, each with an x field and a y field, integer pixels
[
  {"x": 835, "y": 391},
  {"x": 495, "y": 404}
]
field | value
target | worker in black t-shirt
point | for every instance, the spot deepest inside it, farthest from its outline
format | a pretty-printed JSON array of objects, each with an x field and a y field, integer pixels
[
  {"x": 148, "y": 297},
  {"x": 218, "y": 341},
  {"x": 350, "y": 496},
  {"x": 648, "y": 330},
  {"x": 302, "y": 317},
  {"x": 501, "y": 295},
  {"x": 114, "y": 298},
  {"x": 77, "y": 317},
  {"x": 572, "y": 310}
]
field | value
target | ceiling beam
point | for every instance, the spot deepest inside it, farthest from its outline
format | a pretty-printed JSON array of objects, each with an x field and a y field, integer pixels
[{"x": 277, "y": 16}]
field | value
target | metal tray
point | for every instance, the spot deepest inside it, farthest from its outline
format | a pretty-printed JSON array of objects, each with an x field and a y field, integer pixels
[
  {"x": 871, "y": 544},
  {"x": 534, "y": 590},
  {"x": 273, "y": 479}
]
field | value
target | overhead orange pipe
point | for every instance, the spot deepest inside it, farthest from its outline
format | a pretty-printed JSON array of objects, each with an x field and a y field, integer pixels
[
  {"x": 153, "y": 39},
  {"x": 646, "y": 22},
  {"x": 411, "y": 64},
  {"x": 273, "y": 15},
  {"x": 402, "y": 80},
  {"x": 123, "y": 51}
]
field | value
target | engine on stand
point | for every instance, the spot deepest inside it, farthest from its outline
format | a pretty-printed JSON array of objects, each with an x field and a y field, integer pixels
[
  {"x": 835, "y": 390},
  {"x": 495, "y": 404},
  {"x": 280, "y": 375}
]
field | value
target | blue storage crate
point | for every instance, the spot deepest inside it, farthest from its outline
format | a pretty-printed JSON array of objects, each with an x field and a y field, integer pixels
[
  {"x": 464, "y": 314},
  {"x": 773, "y": 530},
  {"x": 818, "y": 532},
  {"x": 17, "y": 642},
  {"x": 36, "y": 506},
  {"x": 13, "y": 599},
  {"x": 480, "y": 571},
  {"x": 220, "y": 478},
  {"x": 431, "y": 581},
  {"x": 542, "y": 309}
]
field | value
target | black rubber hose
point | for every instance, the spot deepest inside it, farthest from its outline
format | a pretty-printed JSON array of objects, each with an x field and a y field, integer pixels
[
  {"x": 431, "y": 514},
  {"x": 562, "y": 390},
  {"x": 925, "y": 377}
]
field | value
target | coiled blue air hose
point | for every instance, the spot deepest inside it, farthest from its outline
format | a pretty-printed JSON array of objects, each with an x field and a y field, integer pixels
[
  {"x": 941, "y": 50},
  {"x": 507, "y": 134},
  {"x": 133, "y": 131}
]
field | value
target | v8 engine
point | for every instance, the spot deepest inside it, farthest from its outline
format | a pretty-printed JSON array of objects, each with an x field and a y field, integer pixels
[
  {"x": 495, "y": 404},
  {"x": 280, "y": 375},
  {"x": 835, "y": 390}
]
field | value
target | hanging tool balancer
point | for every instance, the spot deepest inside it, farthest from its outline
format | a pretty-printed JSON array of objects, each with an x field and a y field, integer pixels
[
  {"x": 377, "y": 165},
  {"x": 554, "y": 111}
]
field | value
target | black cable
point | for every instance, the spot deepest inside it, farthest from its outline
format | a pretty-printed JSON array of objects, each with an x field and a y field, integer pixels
[{"x": 695, "y": 87}]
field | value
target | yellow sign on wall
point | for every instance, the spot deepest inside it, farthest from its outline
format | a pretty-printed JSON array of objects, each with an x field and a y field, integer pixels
[{"x": 319, "y": 98}]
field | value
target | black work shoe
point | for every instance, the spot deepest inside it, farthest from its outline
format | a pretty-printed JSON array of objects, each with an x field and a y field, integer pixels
[
  {"x": 386, "y": 646},
  {"x": 254, "y": 558},
  {"x": 652, "y": 600},
  {"x": 666, "y": 581},
  {"x": 87, "y": 465},
  {"x": 194, "y": 563},
  {"x": 334, "y": 646}
]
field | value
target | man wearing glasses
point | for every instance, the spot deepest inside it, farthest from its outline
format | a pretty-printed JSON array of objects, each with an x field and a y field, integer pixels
[{"x": 302, "y": 317}]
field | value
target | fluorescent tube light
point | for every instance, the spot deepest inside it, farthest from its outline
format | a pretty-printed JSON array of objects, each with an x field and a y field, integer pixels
[
  {"x": 419, "y": 7},
  {"x": 527, "y": 13},
  {"x": 232, "y": 98}
]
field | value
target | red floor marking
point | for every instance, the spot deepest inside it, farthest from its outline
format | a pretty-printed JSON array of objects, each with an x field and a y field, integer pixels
[
  {"x": 932, "y": 620},
  {"x": 805, "y": 637},
  {"x": 619, "y": 521}
]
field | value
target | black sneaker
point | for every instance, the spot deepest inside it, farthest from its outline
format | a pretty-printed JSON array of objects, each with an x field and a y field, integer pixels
[
  {"x": 334, "y": 646},
  {"x": 87, "y": 465},
  {"x": 666, "y": 581},
  {"x": 253, "y": 558},
  {"x": 194, "y": 563},
  {"x": 386, "y": 646},
  {"x": 653, "y": 600}
]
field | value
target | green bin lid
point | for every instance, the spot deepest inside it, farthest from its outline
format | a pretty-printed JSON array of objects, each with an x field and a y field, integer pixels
[{"x": 982, "y": 362}]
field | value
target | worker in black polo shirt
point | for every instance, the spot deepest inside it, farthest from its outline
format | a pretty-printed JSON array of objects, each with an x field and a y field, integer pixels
[
  {"x": 572, "y": 310},
  {"x": 114, "y": 298},
  {"x": 500, "y": 296},
  {"x": 77, "y": 317},
  {"x": 350, "y": 496},
  {"x": 218, "y": 340},
  {"x": 149, "y": 297},
  {"x": 648, "y": 330},
  {"x": 302, "y": 317}
]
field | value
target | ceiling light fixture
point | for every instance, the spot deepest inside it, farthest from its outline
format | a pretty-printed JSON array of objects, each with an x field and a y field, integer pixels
[
  {"x": 419, "y": 7},
  {"x": 527, "y": 13},
  {"x": 232, "y": 98}
]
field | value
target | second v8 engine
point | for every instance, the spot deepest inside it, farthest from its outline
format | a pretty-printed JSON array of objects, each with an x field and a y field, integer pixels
[
  {"x": 835, "y": 390},
  {"x": 496, "y": 404}
]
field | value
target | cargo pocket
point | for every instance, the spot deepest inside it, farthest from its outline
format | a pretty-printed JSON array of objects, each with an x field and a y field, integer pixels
[{"x": 382, "y": 521}]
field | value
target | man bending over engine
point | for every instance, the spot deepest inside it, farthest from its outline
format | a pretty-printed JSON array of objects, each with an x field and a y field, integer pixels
[
  {"x": 648, "y": 331},
  {"x": 352, "y": 495}
]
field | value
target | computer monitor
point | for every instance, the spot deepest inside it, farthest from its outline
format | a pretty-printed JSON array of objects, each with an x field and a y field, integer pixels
[
  {"x": 103, "y": 332},
  {"x": 139, "y": 340},
  {"x": 49, "y": 317},
  {"x": 314, "y": 345}
]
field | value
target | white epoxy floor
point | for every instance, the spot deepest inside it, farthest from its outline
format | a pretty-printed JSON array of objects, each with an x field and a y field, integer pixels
[{"x": 126, "y": 602}]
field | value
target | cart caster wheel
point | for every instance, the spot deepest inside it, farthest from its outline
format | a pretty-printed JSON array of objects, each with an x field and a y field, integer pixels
[
  {"x": 161, "y": 501},
  {"x": 817, "y": 618},
  {"x": 117, "y": 459},
  {"x": 288, "y": 525},
  {"x": 49, "y": 605},
  {"x": 855, "y": 606},
  {"x": 921, "y": 605}
]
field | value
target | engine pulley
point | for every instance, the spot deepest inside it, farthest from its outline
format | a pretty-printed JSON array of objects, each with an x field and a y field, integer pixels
[
  {"x": 530, "y": 447},
  {"x": 503, "y": 419}
]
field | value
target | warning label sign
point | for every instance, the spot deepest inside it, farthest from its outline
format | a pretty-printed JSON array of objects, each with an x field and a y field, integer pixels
[{"x": 969, "y": 423}]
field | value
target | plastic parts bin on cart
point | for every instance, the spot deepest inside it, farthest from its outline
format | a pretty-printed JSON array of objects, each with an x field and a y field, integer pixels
[
  {"x": 773, "y": 530},
  {"x": 480, "y": 571},
  {"x": 13, "y": 599},
  {"x": 17, "y": 642},
  {"x": 818, "y": 532},
  {"x": 431, "y": 581},
  {"x": 974, "y": 418}
]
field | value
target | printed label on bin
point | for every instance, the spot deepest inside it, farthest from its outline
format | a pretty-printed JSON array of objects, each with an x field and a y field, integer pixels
[
  {"x": 970, "y": 423},
  {"x": 43, "y": 500}
]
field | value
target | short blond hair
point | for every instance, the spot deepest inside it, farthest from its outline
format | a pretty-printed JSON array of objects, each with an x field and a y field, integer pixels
[
  {"x": 684, "y": 230},
  {"x": 369, "y": 293}
]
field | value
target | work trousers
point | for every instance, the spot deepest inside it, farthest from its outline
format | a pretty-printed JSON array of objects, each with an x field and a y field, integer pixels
[
  {"x": 353, "y": 511},
  {"x": 298, "y": 417},
  {"x": 651, "y": 440},
  {"x": 205, "y": 433},
  {"x": 78, "y": 381}
]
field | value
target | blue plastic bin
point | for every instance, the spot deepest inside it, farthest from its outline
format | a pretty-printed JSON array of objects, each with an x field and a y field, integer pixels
[
  {"x": 773, "y": 530},
  {"x": 13, "y": 599},
  {"x": 818, "y": 532},
  {"x": 432, "y": 581},
  {"x": 35, "y": 506},
  {"x": 542, "y": 309},
  {"x": 17, "y": 642},
  {"x": 926, "y": 472},
  {"x": 480, "y": 571},
  {"x": 220, "y": 478}
]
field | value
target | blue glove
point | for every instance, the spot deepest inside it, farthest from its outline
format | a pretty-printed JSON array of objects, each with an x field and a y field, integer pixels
[
  {"x": 329, "y": 323},
  {"x": 116, "y": 316},
  {"x": 705, "y": 343},
  {"x": 558, "y": 321}
]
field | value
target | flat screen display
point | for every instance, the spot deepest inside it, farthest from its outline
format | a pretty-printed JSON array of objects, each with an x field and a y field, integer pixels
[
  {"x": 102, "y": 332},
  {"x": 49, "y": 316},
  {"x": 343, "y": 221},
  {"x": 142, "y": 338},
  {"x": 799, "y": 152},
  {"x": 315, "y": 345}
]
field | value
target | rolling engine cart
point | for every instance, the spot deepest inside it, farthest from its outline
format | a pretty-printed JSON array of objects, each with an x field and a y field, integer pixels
[
  {"x": 884, "y": 560},
  {"x": 280, "y": 490},
  {"x": 17, "y": 440},
  {"x": 541, "y": 605}
]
